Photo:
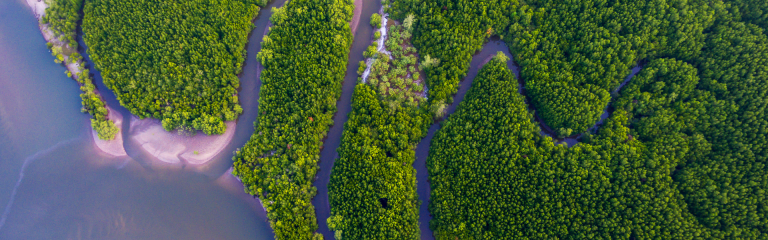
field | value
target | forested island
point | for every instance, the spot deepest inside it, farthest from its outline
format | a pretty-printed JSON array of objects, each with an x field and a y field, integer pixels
[
  {"x": 172, "y": 60},
  {"x": 681, "y": 153},
  {"x": 58, "y": 24},
  {"x": 304, "y": 57},
  {"x": 372, "y": 190}
]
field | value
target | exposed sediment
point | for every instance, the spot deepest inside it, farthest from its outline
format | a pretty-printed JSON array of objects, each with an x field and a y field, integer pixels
[
  {"x": 175, "y": 147},
  {"x": 112, "y": 147}
]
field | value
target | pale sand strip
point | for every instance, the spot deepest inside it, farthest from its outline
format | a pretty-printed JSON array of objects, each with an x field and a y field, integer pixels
[
  {"x": 173, "y": 148},
  {"x": 113, "y": 147}
]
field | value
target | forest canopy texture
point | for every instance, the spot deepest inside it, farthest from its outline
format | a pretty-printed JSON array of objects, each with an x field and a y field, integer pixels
[
  {"x": 172, "y": 60},
  {"x": 304, "y": 57},
  {"x": 682, "y": 155}
]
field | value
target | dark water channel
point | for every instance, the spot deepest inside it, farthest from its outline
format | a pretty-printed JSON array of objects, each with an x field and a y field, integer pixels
[
  {"x": 478, "y": 60},
  {"x": 54, "y": 183},
  {"x": 422, "y": 150},
  {"x": 363, "y": 38}
]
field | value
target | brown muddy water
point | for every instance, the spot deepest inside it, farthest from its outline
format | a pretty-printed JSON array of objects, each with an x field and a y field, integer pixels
[
  {"x": 362, "y": 39},
  {"x": 478, "y": 61},
  {"x": 54, "y": 182}
]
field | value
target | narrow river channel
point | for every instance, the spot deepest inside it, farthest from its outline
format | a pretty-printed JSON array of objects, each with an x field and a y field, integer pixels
[
  {"x": 363, "y": 38},
  {"x": 54, "y": 182},
  {"x": 478, "y": 60}
]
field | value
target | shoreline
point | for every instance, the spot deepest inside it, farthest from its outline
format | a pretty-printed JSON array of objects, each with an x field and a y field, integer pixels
[
  {"x": 38, "y": 8},
  {"x": 115, "y": 146},
  {"x": 176, "y": 148},
  {"x": 356, "y": 17}
]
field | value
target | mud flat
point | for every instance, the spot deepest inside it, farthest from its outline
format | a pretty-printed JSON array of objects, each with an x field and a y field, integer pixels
[
  {"x": 38, "y": 8},
  {"x": 174, "y": 148},
  {"x": 356, "y": 17},
  {"x": 112, "y": 147}
]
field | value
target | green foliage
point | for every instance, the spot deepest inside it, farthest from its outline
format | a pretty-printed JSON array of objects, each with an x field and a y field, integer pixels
[
  {"x": 372, "y": 189},
  {"x": 494, "y": 176},
  {"x": 370, "y": 51},
  {"x": 105, "y": 129},
  {"x": 305, "y": 57},
  {"x": 451, "y": 32},
  {"x": 727, "y": 182},
  {"x": 376, "y": 20},
  {"x": 171, "y": 60},
  {"x": 398, "y": 77},
  {"x": 361, "y": 67},
  {"x": 751, "y": 11},
  {"x": 682, "y": 157},
  {"x": 572, "y": 55},
  {"x": 670, "y": 163},
  {"x": 62, "y": 16},
  {"x": 94, "y": 105}
]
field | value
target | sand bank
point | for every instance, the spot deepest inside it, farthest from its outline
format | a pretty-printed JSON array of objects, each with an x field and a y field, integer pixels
[
  {"x": 171, "y": 147},
  {"x": 38, "y": 8},
  {"x": 112, "y": 147},
  {"x": 356, "y": 17}
]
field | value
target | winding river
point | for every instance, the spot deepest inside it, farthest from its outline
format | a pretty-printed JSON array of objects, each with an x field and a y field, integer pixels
[
  {"x": 363, "y": 37},
  {"x": 55, "y": 184},
  {"x": 479, "y": 59}
]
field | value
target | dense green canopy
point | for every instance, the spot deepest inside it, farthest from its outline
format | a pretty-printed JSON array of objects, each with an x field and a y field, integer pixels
[
  {"x": 172, "y": 60},
  {"x": 494, "y": 177},
  {"x": 372, "y": 190},
  {"x": 373, "y": 187},
  {"x": 61, "y": 18},
  {"x": 304, "y": 57},
  {"x": 751, "y": 11},
  {"x": 683, "y": 156}
]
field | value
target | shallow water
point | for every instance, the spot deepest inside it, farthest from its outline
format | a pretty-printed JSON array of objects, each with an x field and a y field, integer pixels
[{"x": 54, "y": 184}]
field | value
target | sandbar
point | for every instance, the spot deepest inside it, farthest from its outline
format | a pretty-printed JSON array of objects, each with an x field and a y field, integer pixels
[
  {"x": 38, "y": 8},
  {"x": 112, "y": 147},
  {"x": 174, "y": 148},
  {"x": 356, "y": 17}
]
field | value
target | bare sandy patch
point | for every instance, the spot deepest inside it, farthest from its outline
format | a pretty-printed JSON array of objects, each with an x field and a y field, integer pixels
[
  {"x": 174, "y": 148},
  {"x": 112, "y": 147},
  {"x": 356, "y": 17},
  {"x": 38, "y": 8}
]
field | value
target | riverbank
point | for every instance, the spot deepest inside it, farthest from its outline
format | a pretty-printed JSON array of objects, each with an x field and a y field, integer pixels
[
  {"x": 38, "y": 8},
  {"x": 74, "y": 67},
  {"x": 113, "y": 147},
  {"x": 176, "y": 147},
  {"x": 356, "y": 16}
]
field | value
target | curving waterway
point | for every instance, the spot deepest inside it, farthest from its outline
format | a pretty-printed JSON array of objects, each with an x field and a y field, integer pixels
[
  {"x": 362, "y": 39},
  {"x": 55, "y": 183},
  {"x": 479, "y": 59}
]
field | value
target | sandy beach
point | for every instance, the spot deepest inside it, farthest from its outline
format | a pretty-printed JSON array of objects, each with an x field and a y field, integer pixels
[
  {"x": 112, "y": 147},
  {"x": 356, "y": 17},
  {"x": 38, "y": 8},
  {"x": 173, "y": 148}
]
